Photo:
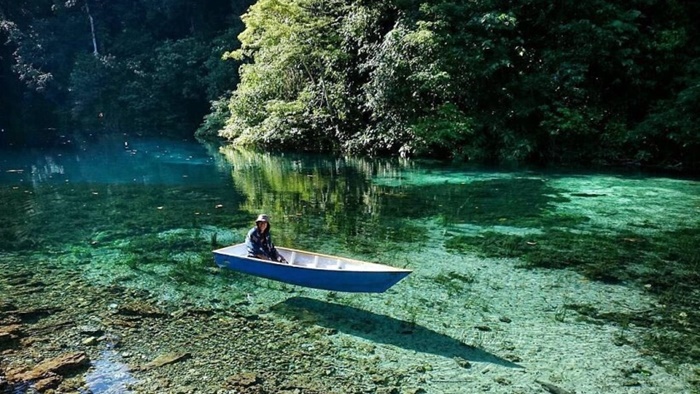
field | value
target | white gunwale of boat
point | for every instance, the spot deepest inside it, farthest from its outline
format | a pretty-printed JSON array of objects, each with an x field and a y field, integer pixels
[{"x": 332, "y": 263}]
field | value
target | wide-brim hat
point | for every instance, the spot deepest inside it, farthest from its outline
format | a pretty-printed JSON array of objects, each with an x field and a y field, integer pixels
[{"x": 262, "y": 218}]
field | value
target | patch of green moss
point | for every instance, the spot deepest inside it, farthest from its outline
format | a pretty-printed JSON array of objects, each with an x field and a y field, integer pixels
[
  {"x": 15, "y": 208},
  {"x": 599, "y": 257},
  {"x": 453, "y": 281},
  {"x": 673, "y": 329},
  {"x": 56, "y": 215},
  {"x": 170, "y": 243},
  {"x": 522, "y": 202},
  {"x": 375, "y": 236},
  {"x": 666, "y": 264},
  {"x": 192, "y": 271},
  {"x": 168, "y": 250},
  {"x": 488, "y": 244}
]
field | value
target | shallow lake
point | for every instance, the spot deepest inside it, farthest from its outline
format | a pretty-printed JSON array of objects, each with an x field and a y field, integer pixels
[{"x": 522, "y": 280}]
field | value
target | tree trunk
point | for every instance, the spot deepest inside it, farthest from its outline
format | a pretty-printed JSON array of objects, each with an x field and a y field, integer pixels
[{"x": 92, "y": 30}]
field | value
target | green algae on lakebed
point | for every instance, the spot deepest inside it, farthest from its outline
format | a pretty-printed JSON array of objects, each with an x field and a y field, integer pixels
[
  {"x": 461, "y": 316},
  {"x": 665, "y": 263}
]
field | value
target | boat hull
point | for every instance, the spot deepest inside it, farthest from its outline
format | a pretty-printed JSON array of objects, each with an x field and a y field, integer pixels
[{"x": 313, "y": 270}]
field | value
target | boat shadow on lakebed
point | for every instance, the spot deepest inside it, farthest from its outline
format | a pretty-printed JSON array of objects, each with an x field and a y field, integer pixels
[{"x": 383, "y": 329}]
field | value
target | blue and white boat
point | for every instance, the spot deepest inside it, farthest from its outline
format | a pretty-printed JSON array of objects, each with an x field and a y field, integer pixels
[{"x": 314, "y": 270}]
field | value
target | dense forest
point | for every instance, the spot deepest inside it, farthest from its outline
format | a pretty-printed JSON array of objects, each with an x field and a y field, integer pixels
[
  {"x": 563, "y": 82},
  {"x": 114, "y": 65}
]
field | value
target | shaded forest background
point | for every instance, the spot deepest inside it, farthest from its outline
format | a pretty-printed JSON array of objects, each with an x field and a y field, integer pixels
[
  {"x": 114, "y": 65},
  {"x": 563, "y": 82}
]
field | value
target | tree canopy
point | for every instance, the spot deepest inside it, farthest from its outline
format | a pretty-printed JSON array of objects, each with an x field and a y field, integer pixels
[{"x": 535, "y": 81}]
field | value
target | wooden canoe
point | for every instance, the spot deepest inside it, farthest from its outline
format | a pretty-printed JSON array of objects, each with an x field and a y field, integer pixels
[{"x": 313, "y": 270}]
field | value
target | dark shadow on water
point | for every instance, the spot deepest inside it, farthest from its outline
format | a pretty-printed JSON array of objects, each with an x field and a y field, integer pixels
[{"x": 383, "y": 329}]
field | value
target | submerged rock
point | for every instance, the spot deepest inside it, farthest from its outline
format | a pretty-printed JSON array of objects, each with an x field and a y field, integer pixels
[
  {"x": 48, "y": 374},
  {"x": 50, "y": 380},
  {"x": 463, "y": 363},
  {"x": 9, "y": 335},
  {"x": 244, "y": 382},
  {"x": 166, "y": 359},
  {"x": 90, "y": 330},
  {"x": 6, "y": 306},
  {"x": 140, "y": 308}
]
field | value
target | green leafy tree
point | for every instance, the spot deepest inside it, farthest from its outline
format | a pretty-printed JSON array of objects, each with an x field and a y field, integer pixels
[
  {"x": 562, "y": 82},
  {"x": 292, "y": 92}
]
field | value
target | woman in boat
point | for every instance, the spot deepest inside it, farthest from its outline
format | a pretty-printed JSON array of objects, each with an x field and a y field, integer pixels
[{"x": 259, "y": 241}]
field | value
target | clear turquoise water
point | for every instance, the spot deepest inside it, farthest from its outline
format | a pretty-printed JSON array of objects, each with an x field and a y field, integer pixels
[{"x": 145, "y": 214}]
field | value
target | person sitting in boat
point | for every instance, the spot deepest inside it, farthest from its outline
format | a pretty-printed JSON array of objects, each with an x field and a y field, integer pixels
[{"x": 259, "y": 241}]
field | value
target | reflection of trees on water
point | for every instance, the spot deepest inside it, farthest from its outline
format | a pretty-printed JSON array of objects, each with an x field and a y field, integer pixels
[
  {"x": 313, "y": 196},
  {"x": 366, "y": 205},
  {"x": 213, "y": 148}
]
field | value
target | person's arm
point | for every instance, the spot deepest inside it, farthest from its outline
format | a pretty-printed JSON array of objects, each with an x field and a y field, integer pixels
[{"x": 275, "y": 254}]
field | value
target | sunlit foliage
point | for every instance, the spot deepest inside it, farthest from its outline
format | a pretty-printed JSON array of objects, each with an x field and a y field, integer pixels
[{"x": 569, "y": 82}]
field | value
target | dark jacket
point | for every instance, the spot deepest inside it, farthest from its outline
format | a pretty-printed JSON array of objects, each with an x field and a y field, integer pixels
[{"x": 261, "y": 244}]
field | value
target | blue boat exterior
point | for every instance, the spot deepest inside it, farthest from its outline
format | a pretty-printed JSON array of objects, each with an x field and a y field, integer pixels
[{"x": 344, "y": 275}]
